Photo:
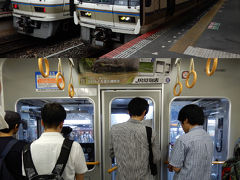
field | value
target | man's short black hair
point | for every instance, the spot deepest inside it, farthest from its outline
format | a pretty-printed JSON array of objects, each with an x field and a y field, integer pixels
[
  {"x": 193, "y": 113},
  {"x": 12, "y": 119},
  {"x": 53, "y": 114},
  {"x": 137, "y": 106}
]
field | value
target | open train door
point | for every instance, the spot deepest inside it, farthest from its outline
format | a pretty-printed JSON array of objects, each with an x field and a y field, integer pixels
[{"x": 114, "y": 110}]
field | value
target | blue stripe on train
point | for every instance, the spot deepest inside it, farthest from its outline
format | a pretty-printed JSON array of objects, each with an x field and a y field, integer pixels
[
  {"x": 42, "y": 5},
  {"x": 129, "y": 14}
]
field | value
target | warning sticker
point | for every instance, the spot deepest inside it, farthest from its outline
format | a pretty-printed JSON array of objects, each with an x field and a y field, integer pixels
[
  {"x": 214, "y": 26},
  {"x": 46, "y": 84}
]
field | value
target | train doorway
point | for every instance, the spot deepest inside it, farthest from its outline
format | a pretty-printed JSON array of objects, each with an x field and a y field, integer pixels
[
  {"x": 81, "y": 118},
  {"x": 114, "y": 110},
  {"x": 216, "y": 112}
]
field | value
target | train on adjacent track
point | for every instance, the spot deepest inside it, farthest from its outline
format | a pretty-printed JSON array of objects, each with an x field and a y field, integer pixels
[
  {"x": 103, "y": 89},
  {"x": 41, "y": 18},
  {"x": 100, "y": 20}
]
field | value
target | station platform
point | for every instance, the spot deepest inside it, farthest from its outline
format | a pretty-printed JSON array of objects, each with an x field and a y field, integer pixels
[{"x": 215, "y": 34}]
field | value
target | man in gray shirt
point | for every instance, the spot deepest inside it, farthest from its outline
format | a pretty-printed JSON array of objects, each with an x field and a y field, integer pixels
[
  {"x": 191, "y": 156},
  {"x": 129, "y": 144}
]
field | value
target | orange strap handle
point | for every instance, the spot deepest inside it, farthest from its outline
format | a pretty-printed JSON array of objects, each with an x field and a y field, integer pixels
[
  {"x": 59, "y": 74},
  {"x": 214, "y": 67},
  {"x": 40, "y": 66},
  {"x": 194, "y": 73}
]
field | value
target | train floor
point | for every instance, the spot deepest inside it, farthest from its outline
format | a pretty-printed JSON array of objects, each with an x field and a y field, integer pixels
[{"x": 214, "y": 33}]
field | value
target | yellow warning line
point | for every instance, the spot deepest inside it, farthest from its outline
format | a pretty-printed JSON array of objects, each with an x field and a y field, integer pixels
[{"x": 194, "y": 33}]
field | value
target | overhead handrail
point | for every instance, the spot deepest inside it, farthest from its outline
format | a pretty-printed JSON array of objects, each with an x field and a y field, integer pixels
[
  {"x": 93, "y": 163},
  {"x": 178, "y": 83},
  {"x": 59, "y": 74},
  {"x": 218, "y": 162},
  {"x": 214, "y": 66},
  {"x": 40, "y": 66},
  {"x": 70, "y": 85},
  {"x": 193, "y": 72},
  {"x": 214, "y": 162},
  {"x": 112, "y": 169}
]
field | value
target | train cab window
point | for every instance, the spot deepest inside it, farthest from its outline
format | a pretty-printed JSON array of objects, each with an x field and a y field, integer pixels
[
  {"x": 79, "y": 120},
  {"x": 127, "y": 2},
  {"x": 216, "y": 112},
  {"x": 148, "y": 3},
  {"x": 105, "y": 1},
  {"x": 119, "y": 114}
]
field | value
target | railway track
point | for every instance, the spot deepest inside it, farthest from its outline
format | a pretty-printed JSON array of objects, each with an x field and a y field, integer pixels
[{"x": 14, "y": 43}]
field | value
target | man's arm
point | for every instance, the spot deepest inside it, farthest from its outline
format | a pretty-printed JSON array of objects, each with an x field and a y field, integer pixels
[
  {"x": 177, "y": 156},
  {"x": 79, "y": 176}
]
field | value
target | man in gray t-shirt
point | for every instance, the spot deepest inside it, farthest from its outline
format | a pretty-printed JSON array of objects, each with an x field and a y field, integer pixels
[{"x": 191, "y": 156}]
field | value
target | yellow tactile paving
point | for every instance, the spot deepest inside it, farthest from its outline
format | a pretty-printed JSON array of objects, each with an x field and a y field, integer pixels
[{"x": 194, "y": 33}]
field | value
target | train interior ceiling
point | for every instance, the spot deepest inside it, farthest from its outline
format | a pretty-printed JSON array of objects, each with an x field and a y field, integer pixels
[{"x": 96, "y": 107}]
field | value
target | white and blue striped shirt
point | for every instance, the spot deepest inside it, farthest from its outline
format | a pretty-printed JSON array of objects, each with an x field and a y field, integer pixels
[
  {"x": 193, "y": 153},
  {"x": 129, "y": 144}
]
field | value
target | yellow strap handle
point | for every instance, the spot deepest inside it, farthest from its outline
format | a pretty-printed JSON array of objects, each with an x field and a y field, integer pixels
[
  {"x": 59, "y": 74},
  {"x": 70, "y": 85},
  {"x": 40, "y": 66},
  {"x": 112, "y": 169},
  {"x": 93, "y": 163},
  {"x": 214, "y": 67},
  {"x": 180, "y": 89},
  {"x": 178, "y": 83},
  {"x": 193, "y": 72},
  {"x": 70, "y": 90}
]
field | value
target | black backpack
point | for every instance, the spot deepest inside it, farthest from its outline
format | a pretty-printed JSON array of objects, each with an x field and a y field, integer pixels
[
  {"x": 4, "y": 173},
  {"x": 57, "y": 171}
]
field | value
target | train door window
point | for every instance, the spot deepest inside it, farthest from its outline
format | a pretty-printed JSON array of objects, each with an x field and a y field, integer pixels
[
  {"x": 216, "y": 112},
  {"x": 78, "y": 125},
  {"x": 119, "y": 114}
]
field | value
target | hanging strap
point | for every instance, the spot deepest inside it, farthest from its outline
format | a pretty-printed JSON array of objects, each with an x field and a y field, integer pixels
[
  {"x": 59, "y": 167},
  {"x": 7, "y": 149},
  {"x": 153, "y": 166},
  {"x": 63, "y": 157}
]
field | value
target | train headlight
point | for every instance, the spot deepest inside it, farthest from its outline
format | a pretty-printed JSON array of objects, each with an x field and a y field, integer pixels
[
  {"x": 127, "y": 19},
  {"x": 86, "y": 14}
]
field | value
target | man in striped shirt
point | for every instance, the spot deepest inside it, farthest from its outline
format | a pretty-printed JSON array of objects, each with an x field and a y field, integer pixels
[
  {"x": 129, "y": 144},
  {"x": 192, "y": 153}
]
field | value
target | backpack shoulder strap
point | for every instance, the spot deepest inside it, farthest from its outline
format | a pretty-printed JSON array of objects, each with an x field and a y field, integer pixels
[
  {"x": 149, "y": 136},
  {"x": 29, "y": 167},
  {"x": 63, "y": 157},
  {"x": 7, "y": 148}
]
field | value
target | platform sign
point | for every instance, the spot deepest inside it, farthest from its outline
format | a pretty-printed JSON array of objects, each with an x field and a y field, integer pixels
[{"x": 46, "y": 84}]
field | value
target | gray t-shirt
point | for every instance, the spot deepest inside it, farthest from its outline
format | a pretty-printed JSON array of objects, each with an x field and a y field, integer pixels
[{"x": 128, "y": 143}]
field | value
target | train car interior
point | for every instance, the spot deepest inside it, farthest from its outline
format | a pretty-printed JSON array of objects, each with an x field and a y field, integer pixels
[{"x": 96, "y": 106}]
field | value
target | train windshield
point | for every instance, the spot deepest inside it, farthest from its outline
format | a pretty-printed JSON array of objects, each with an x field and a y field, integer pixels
[
  {"x": 216, "y": 112},
  {"x": 115, "y": 2}
]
